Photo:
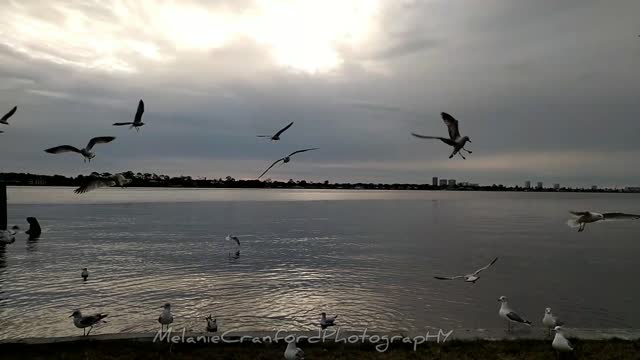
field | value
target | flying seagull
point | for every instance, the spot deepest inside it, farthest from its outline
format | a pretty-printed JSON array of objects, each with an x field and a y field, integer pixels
[
  {"x": 6, "y": 116},
  {"x": 86, "y": 152},
  {"x": 472, "y": 278},
  {"x": 327, "y": 321},
  {"x": 212, "y": 324},
  {"x": 276, "y": 137},
  {"x": 560, "y": 343},
  {"x": 454, "y": 139},
  {"x": 510, "y": 315},
  {"x": 95, "y": 183},
  {"x": 582, "y": 218},
  {"x": 293, "y": 352},
  {"x": 550, "y": 321},
  {"x": 82, "y": 322},
  {"x": 137, "y": 120},
  {"x": 165, "y": 318},
  {"x": 285, "y": 160},
  {"x": 234, "y": 238}
]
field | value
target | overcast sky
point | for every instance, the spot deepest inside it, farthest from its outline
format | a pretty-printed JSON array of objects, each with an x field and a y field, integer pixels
[{"x": 547, "y": 90}]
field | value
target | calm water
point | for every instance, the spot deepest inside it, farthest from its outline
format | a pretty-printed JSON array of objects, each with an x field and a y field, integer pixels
[{"x": 368, "y": 256}]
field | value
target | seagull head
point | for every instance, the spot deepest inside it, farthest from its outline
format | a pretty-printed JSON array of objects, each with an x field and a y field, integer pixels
[
  {"x": 166, "y": 306},
  {"x": 324, "y": 315},
  {"x": 76, "y": 313},
  {"x": 466, "y": 139},
  {"x": 547, "y": 310},
  {"x": 502, "y": 299},
  {"x": 557, "y": 329},
  {"x": 84, "y": 269}
]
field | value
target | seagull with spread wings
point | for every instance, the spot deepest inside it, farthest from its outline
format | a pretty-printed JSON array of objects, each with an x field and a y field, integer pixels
[
  {"x": 276, "y": 137},
  {"x": 472, "y": 278},
  {"x": 95, "y": 183},
  {"x": 285, "y": 160},
  {"x": 5, "y": 117},
  {"x": 86, "y": 152},
  {"x": 582, "y": 218},
  {"x": 137, "y": 120},
  {"x": 455, "y": 140}
]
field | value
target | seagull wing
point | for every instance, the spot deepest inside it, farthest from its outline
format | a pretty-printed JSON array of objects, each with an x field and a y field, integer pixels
[
  {"x": 94, "y": 184},
  {"x": 92, "y": 319},
  {"x": 269, "y": 168},
  {"x": 448, "y": 277},
  {"x": 300, "y": 151},
  {"x": 284, "y": 129},
  {"x": 515, "y": 317},
  {"x": 452, "y": 124},
  {"x": 486, "y": 267},
  {"x": 263, "y": 136},
  {"x": 444, "y": 140},
  {"x": 122, "y": 123},
  {"x": 235, "y": 238},
  {"x": 9, "y": 114},
  {"x": 620, "y": 216},
  {"x": 139, "y": 112},
  {"x": 62, "y": 149},
  {"x": 99, "y": 140},
  {"x": 579, "y": 213}
]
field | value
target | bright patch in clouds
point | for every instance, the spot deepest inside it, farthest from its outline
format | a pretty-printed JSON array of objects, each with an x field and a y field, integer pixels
[{"x": 301, "y": 34}]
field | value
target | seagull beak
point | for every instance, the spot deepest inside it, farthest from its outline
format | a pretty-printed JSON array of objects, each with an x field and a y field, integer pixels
[
  {"x": 469, "y": 141},
  {"x": 71, "y": 315}
]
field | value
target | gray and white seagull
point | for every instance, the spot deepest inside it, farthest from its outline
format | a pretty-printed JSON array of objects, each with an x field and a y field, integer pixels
[
  {"x": 137, "y": 120},
  {"x": 95, "y": 183},
  {"x": 285, "y": 160},
  {"x": 582, "y": 218},
  {"x": 509, "y": 315},
  {"x": 5, "y": 117},
  {"x": 276, "y": 137},
  {"x": 454, "y": 139},
  {"x": 472, "y": 278},
  {"x": 88, "y": 321},
  {"x": 86, "y": 152}
]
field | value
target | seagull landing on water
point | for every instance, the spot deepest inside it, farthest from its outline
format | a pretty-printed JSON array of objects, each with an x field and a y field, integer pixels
[
  {"x": 560, "y": 343},
  {"x": 5, "y": 117},
  {"x": 550, "y": 321},
  {"x": 84, "y": 274},
  {"x": 95, "y": 183},
  {"x": 472, "y": 278},
  {"x": 165, "y": 318},
  {"x": 582, "y": 218},
  {"x": 276, "y": 137},
  {"x": 137, "y": 120},
  {"x": 327, "y": 321},
  {"x": 285, "y": 160},
  {"x": 293, "y": 352},
  {"x": 82, "y": 322},
  {"x": 86, "y": 152},
  {"x": 234, "y": 238},
  {"x": 212, "y": 324},
  {"x": 510, "y": 315},
  {"x": 454, "y": 139}
]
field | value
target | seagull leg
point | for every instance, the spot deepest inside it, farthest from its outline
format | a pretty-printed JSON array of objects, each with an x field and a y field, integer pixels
[
  {"x": 470, "y": 152},
  {"x": 91, "y": 328},
  {"x": 581, "y": 228},
  {"x": 84, "y": 332},
  {"x": 462, "y": 156}
]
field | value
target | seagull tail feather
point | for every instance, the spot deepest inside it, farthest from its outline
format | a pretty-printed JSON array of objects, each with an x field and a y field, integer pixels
[{"x": 573, "y": 223}]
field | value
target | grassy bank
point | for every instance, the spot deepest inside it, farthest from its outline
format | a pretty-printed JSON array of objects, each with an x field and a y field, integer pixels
[{"x": 459, "y": 350}]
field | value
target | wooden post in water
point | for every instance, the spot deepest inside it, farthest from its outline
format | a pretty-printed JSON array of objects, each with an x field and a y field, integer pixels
[{"x": 3, "y": 206}]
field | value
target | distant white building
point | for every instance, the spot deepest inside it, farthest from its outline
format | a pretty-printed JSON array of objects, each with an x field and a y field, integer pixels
[
  {"x": 443, "y": 182},
  {"x": 527, "y": 184},
  {"x": 451, "y": 182},
  {"x": 594, "y": 187},
  {"x": 556, "y": 186},
  {"x": 540, "y": 185},
  {"x": 434, "y": 181}
]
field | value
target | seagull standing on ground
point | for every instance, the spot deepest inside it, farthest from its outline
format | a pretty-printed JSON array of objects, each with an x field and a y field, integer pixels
[
  {"x": 86, "y": 152},
  {"x": 582, "y": 218},
  {"x": 6, "y": 116},
  {"x": 560, "y": 343},
  {"x": 84, "y": 274},
  {"x": 510, "y": 315},
  {"x": 137, "y": 120},
  {"x": 293, "y": 352},
  {"x": 550, "y": 321},
  {"x": 166, "y": 318},
  {"x": 82, "y": 322},
  {"x": 327, "y": 321},
  {"x": 212, "y": 324},
  {"x": 276, "y": 137},
  {"x": 285, "y": 160},
  {"x": 454, "y": 139},
  {"x": 95, "y": 183},
  {"x": 472, "y": 278}
]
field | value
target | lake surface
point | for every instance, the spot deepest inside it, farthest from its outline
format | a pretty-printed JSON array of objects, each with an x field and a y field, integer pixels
[{"x": 369, "y": 256}]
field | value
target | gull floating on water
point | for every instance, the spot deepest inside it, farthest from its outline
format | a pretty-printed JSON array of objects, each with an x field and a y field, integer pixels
[
  {"x": 34, "y": 228},
  {"x": 285, "y": 160},
  {"x": 95, "y": 183},
  {"x": 510, "y": 315},
  {"x": 86, "y": 152},
  {"x": 137, "y": 120},
  {"x": 582, "y": 218},
  {"x": 293, "y": 352},
  {"x": 82, "y": 322},
  {"x": 234, "y": 238},
  {"x": 454, "y": 139},
  {"x": 84, "y": 274},
  {"x": 276, "y": 137},
  {"x": 550, "y": 321},
  {"x": 327, "y": 321},
  {"x": 560, "y": 343},
  {"x": 6, "y": 116},
  {"x": 212, "y": 324},
  {"x": 472, "y": 278},
  {"x": 165, "y": 318}
]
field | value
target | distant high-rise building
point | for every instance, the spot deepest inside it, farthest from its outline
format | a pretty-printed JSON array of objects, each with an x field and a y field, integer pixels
[
  {"x": 594, "y": 187},
  {"x": 434, "y": 181},
  {"x": 527, "y": 184},
  {"x": 443, "y": 182},
  {"x": 451, "y": 182},
  {"x": 540, "y": 185},
  {"x": 556, "y": 186}
]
